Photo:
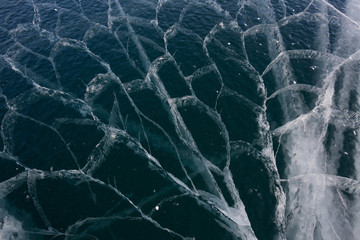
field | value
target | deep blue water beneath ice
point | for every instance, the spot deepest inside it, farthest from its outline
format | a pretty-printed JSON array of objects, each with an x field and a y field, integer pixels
[{"x": 179, "y": 119}]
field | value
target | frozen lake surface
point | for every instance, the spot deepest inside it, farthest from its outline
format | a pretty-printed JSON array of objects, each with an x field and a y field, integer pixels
[{"x": 179, "y": 119}]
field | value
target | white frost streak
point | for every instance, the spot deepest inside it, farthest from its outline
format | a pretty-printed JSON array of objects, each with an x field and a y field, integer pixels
[{"x": 314, "y": 208}]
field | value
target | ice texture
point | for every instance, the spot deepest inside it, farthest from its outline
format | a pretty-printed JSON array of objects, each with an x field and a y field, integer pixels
[{"x": 150, "y": 119}]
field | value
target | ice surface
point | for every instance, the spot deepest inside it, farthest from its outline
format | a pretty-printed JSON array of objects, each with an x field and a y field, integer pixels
[{"x": 122, "y": 118}]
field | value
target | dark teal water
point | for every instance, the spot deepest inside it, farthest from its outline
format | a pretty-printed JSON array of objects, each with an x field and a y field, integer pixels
[{"x": 179, "y": 119}]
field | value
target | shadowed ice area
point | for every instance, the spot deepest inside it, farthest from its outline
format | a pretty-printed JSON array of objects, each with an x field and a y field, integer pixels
[{"x": 179, "y": 119}]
